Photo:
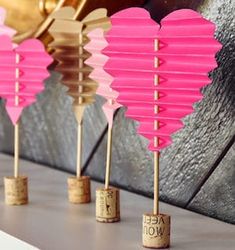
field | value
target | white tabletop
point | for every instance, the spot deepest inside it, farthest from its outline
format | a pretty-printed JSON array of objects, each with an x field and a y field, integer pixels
[
  {"x": 49, "y": 222},
  {"x": 8, "y": 242}
]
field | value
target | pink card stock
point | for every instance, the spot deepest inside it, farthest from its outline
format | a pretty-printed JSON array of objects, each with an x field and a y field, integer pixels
[
  {"x": 185, "y": 53},
  {"x": 97, "y": 61},
  {"x": 28, "y": 72}
]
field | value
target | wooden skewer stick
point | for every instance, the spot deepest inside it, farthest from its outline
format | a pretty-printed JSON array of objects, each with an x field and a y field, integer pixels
[
  {"x": 156, "y": 184},
  {"x": 156, "y": 140},
  {"x": 16, "y": 127},
  {"x": 158, "y": 224},
  {"x": 79, "y": 149},
  {"x": 108, "y": 198},
  {"x": 80, "y": 89},
  {"x": 16, "y": 151},
  {"x": 108, "y": 157}
]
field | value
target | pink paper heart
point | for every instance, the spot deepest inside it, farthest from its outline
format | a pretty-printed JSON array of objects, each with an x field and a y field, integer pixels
[
  {"x": 29, "y": 72},
  {"x": 186, "y": 53},
  {"x": 97, "y": 61}
]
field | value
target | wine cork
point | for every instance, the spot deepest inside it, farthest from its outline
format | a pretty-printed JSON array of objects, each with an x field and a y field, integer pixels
[
  {"x": 79, "y": 189},
  {"x": 107, "y": 205},
  {"x": 16, "y": 190},
  {"x": 156, "y": 231}
]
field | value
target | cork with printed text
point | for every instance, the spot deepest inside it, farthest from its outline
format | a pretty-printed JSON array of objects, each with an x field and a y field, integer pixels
[
  {"x": 156, "y": 231},
  {"x": 107, "y": 205}
]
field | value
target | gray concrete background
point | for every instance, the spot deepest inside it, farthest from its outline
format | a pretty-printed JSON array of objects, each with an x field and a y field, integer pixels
[{"x": 197, "y": 170}]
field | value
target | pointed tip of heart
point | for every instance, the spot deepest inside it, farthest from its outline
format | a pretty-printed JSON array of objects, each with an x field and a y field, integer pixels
[{"x": 14, "y": 113}]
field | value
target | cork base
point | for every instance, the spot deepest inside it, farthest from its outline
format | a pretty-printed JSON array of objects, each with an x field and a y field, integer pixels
[
  {"x": 16, "y": 190},
  {"x": 156, "y": 231},
  {"x": 107, "y": 205},
  {"x": 79, "y": 189}
]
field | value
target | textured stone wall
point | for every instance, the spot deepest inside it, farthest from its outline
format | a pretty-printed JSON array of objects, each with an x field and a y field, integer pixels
[{"x": 197, "y": 170}]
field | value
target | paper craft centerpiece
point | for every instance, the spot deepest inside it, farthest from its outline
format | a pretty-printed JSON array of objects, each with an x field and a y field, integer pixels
[
  {"x": 70, "y": 37},
  {"x": 158, "y": 71},
  {"x": 22, "y": 71},
  {"x": 107, "y": 198}
]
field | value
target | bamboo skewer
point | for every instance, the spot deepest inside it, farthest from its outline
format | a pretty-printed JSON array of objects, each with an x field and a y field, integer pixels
[
  {"x": 108, "y": 157},
  {"x": 156, "y": 221},
  {"x": 80, "y": 89},
  {"x": 156, "y": 141},
  {"x": 156, "y": 184},
  {"x": 79, "y": 150},
  {"x": 16, "y": 127},
  {"x": 16, "y": 151}
]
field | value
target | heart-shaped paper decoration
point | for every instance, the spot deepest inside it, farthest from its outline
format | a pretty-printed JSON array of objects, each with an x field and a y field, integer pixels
[
  {"x": 97, "y": 61},
  {"x": 70, "y": 37},
  {"x": 22, "y": 71},
  {"x": 159, "y": 70}
]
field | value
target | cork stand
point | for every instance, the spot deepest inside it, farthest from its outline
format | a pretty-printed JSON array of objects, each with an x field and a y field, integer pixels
[
  {"x": 108, "y": 198},
  {"x": 156, "y": 226},
  {"x": 79, "y": 186},
  {"x": 16, "y": 187}
]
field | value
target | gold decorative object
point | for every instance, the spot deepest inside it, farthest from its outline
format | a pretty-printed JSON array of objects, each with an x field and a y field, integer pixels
[
  {"x": 31, "y": 18},
  {"x": 70, "y": 37}
]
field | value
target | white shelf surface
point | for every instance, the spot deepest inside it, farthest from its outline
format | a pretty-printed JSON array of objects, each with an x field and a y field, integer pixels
[
  {"x": 50, "y": 222},
  {"x": 9, "y": 242}
]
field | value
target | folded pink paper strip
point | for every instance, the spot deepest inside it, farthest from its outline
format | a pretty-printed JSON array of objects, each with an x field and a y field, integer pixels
[
  {"x": 185, "y": 53},
  {"x": 97, "y": 61},
  {"x": 28, "y": 72}
]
